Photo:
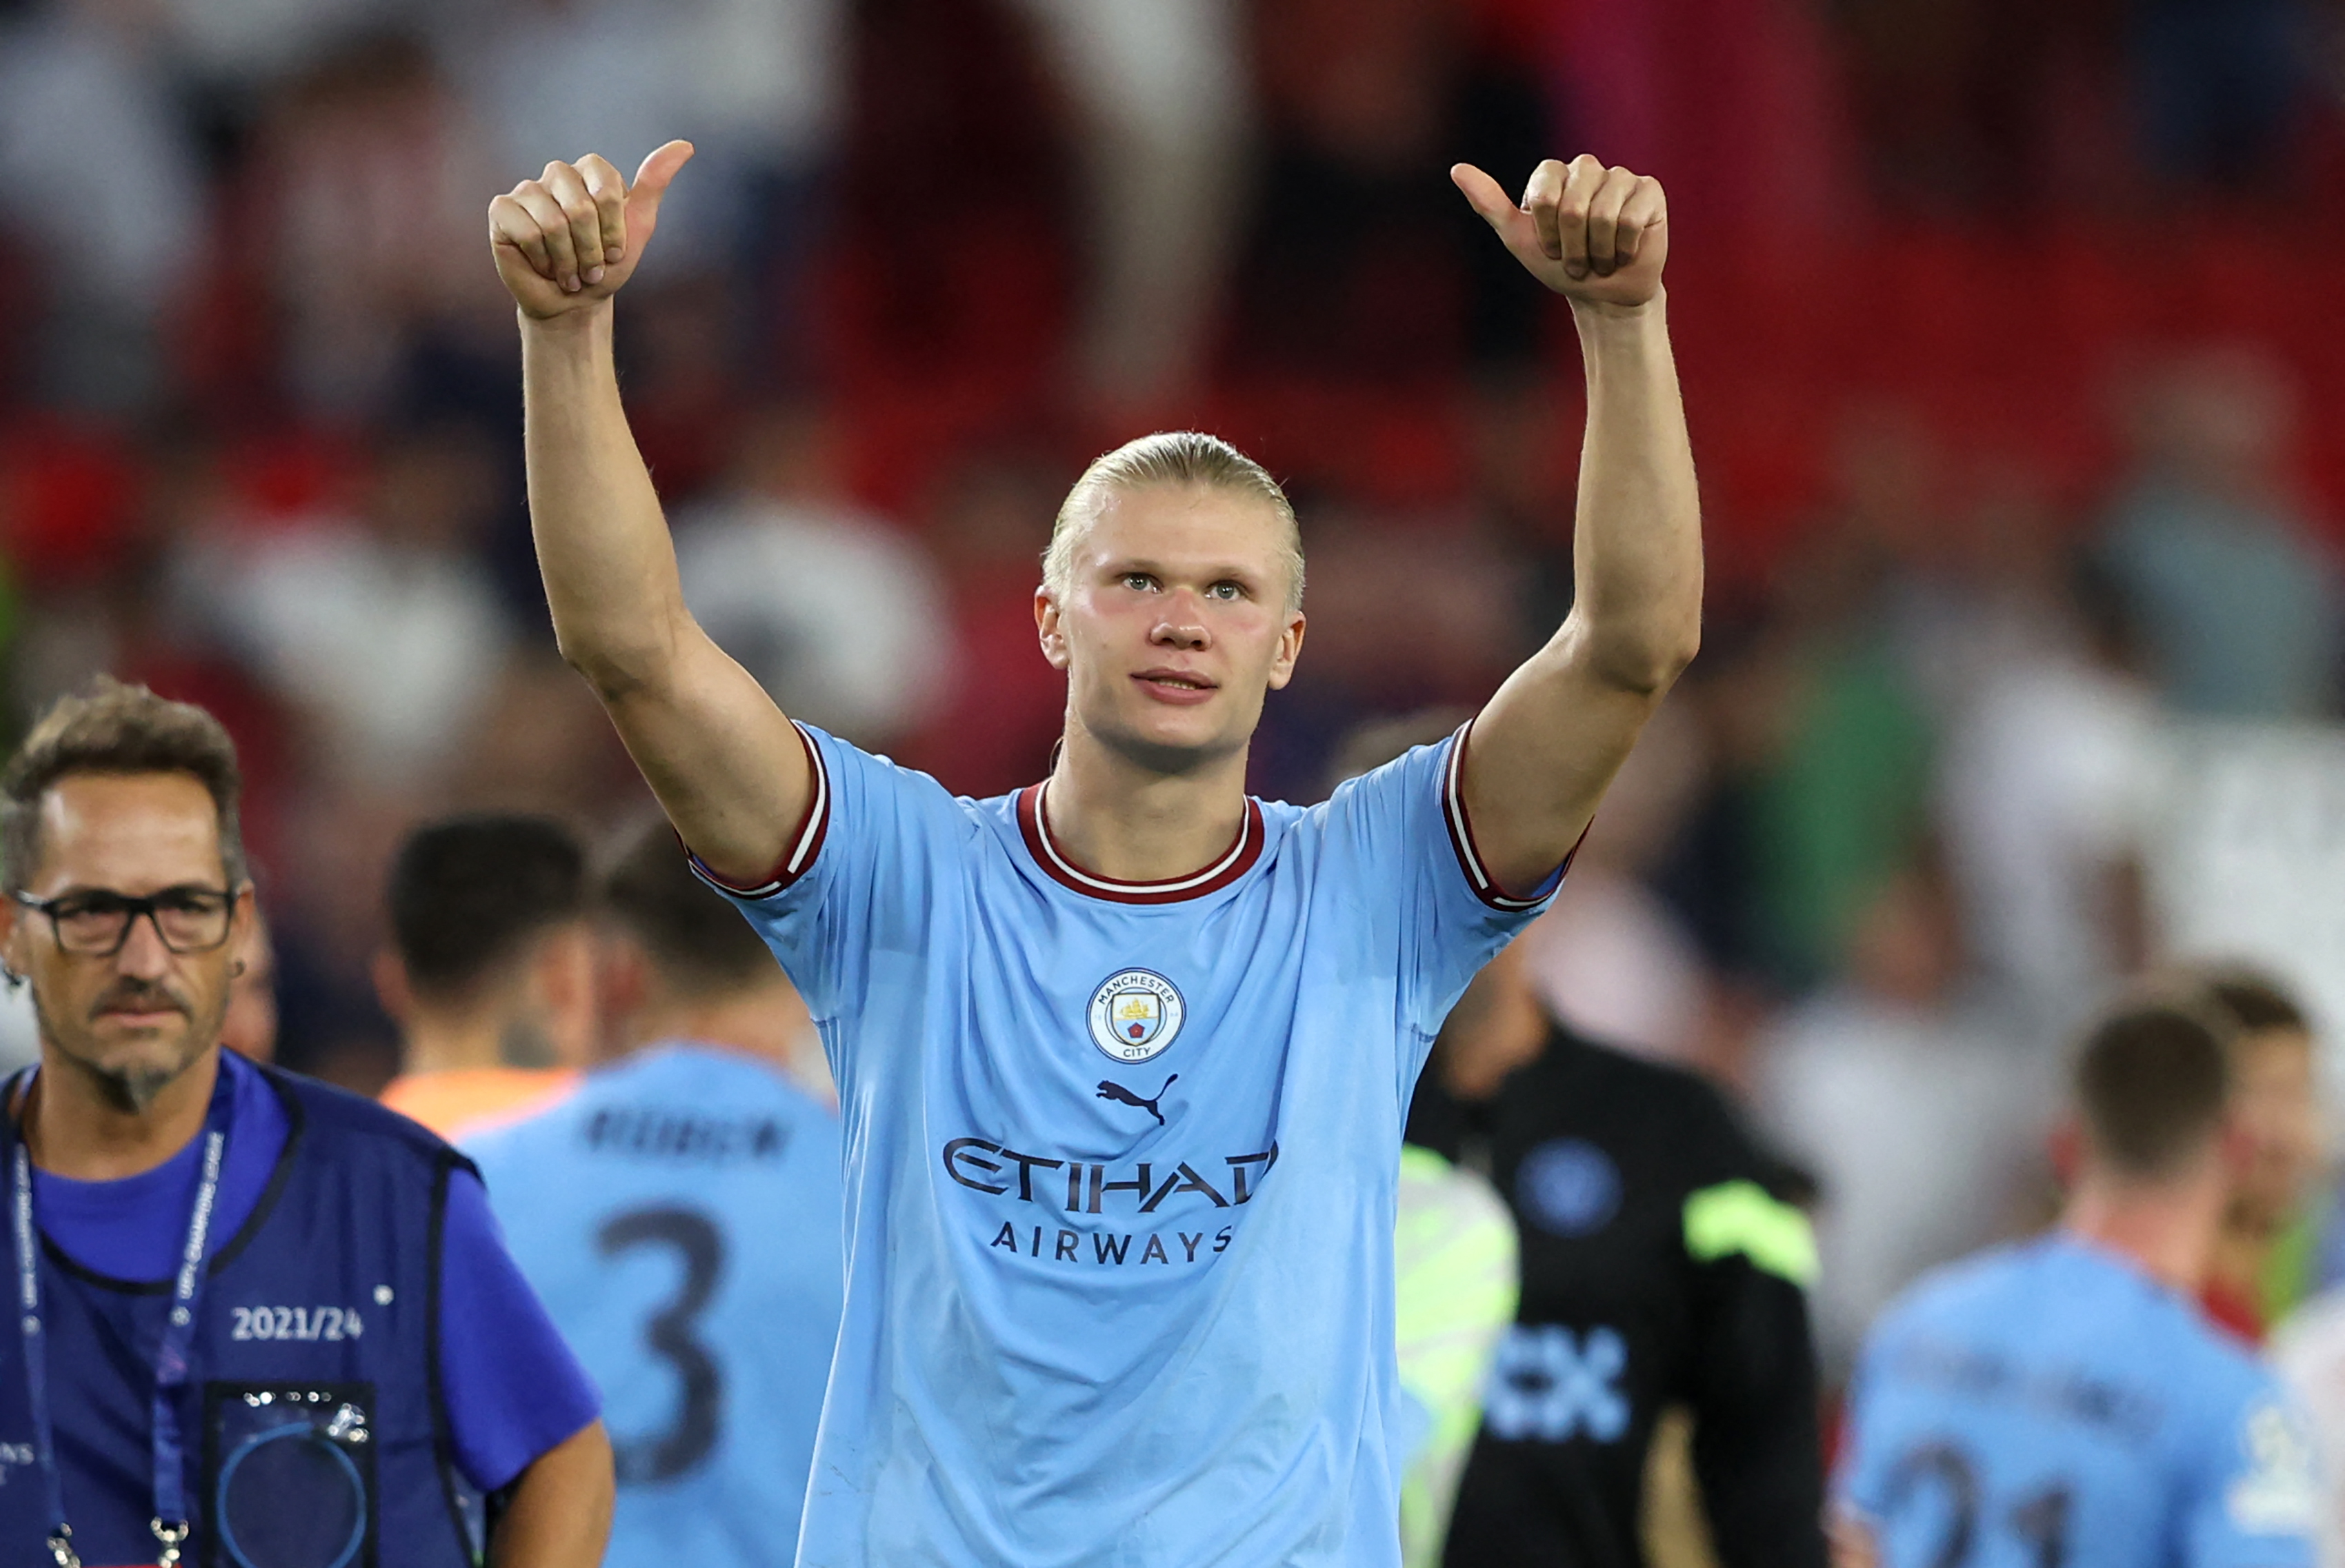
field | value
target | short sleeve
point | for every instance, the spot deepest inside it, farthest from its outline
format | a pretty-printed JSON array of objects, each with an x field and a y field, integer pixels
[
  {"x": 1404, "y": 827},
  {"x": 2258, "y": 1503},
  {"x": 861, "y": 877},
  {"x": 511, "y": 1385}
]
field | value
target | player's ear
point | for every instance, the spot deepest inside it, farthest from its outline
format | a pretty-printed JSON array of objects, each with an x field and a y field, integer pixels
[
  {"x": 1047, "y": 627},
  {"x": 391, "y": 987},
  {"x": 2065, "y": 1147},
  {"x": 1290, "y": 649},
  {"x": 623, "y": 982},
  {"x": 2237, "y": 1148},
  {"x": 248, "y": 933},
  {"x": 562, "y": 976}
]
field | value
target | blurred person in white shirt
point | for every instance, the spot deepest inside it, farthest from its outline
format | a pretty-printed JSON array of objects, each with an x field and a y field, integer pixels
[
  {"x": 1906, "y": 1095},
  {"x": 382, "y": 627},
  {"x": 2046, "y": 786},
  {"x": 835, "y": 609}
]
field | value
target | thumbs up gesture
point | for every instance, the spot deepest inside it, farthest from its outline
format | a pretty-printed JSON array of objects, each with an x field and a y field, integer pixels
[
  {"x": 570, "y": 239},
  {"x": 1596, "y": 235}
]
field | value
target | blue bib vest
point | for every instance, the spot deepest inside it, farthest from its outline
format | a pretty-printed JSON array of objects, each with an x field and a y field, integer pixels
[{"x": 316, "y": 1435}]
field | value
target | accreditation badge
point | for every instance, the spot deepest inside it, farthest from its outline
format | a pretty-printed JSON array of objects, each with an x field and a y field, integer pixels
[{"x": 288, "y": 1476}]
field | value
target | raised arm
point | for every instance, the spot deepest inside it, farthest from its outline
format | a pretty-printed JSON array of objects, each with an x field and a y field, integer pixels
[
  {"x": 1548, "y": 743},
  {"x": 725, "y": 764}
]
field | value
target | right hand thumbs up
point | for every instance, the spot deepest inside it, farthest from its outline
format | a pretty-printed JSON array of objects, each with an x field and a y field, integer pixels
[{"x": 571, "y": 238}]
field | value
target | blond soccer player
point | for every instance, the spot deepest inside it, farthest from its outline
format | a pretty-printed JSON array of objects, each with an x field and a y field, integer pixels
[{"x": 1123, "y": 1056}]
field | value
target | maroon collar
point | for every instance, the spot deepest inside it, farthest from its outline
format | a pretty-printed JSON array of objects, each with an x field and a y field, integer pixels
[{"x": 1061, "y": 867}]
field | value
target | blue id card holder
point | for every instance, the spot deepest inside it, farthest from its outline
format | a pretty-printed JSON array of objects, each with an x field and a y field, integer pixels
[{"x": 289, "y": 1477}]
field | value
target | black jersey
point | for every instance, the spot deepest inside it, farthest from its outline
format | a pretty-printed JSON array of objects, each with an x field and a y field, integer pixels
[{"x": 1660, "y": 1267}]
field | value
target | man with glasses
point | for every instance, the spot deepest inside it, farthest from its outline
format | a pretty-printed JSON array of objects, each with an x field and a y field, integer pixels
[{"x": 258, "y": 1323}]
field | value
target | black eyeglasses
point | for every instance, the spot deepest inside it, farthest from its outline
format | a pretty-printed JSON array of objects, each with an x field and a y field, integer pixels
[{"x": 95, "y": 924}]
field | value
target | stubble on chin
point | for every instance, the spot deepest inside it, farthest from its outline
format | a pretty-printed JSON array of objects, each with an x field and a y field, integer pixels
[
  {"x": 132, "y": 1089},
  {"x": 129, "y": 1087}
]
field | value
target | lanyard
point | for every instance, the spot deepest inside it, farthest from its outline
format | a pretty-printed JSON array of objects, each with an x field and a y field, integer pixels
[{"x": 171, "y": 1362}]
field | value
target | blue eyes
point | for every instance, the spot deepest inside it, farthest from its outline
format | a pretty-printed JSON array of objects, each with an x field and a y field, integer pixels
[{"x": 1226, "y": 591}]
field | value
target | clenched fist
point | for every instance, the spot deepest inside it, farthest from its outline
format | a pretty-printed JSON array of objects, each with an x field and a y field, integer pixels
[
  {"x": 571, "y": 236},
  {"x": 1591, "y": 233}
]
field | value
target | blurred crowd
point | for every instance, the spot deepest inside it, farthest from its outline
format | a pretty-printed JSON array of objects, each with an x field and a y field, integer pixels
[{"x": 2011, "y": 363}]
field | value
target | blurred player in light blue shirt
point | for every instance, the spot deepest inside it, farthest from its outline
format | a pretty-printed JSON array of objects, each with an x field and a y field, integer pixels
[
  {"x": 2063, "y": 1401},
  {"x": 1123, "y": 1056},
  {"x": 679, "y": 1214}
]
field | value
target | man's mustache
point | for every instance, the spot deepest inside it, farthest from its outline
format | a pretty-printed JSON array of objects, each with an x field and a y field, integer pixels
[{"x": 136, "y": 997}]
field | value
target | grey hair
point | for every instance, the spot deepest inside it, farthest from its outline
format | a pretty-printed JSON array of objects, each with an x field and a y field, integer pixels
[{"x": 1167, "y": 458}]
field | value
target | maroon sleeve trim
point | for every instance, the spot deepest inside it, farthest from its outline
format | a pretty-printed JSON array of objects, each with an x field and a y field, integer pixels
[
  {"x": 1461, "y": 837},
  {"x": 804, "y": 845}
]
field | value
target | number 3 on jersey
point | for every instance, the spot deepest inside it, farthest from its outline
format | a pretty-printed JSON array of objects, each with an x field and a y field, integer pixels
[{"x": 670, "y": 1334}]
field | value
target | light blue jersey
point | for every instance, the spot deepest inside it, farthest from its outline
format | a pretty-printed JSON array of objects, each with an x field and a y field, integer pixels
[
  {"x": 679, "y": 1214},
  {"x": 2051, "y": 1404},
  {"x": 1120, "y": 1168}
]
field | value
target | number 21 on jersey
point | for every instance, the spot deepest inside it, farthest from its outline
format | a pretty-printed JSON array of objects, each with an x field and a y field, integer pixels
[{"x": 1940, "y": 1475}]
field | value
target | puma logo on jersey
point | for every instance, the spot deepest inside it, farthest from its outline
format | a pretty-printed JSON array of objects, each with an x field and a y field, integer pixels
[{"x": 1110, "y": 1089}]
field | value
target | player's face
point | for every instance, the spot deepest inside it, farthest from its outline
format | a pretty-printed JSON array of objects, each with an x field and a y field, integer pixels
[
  {"x": 1175, "y": 624},
  {"x": 2276, "y": 1111},
  {"x": 136, "y": 1018}
]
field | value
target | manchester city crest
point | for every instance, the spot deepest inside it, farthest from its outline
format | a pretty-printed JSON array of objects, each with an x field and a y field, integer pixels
[{"x": 1135, "y": 1014}]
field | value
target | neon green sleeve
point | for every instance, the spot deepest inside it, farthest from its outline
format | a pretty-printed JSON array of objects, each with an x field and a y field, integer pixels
[
  {"x": 1743, "y": 1217},
  {"x": 1457, "y": 1271}
]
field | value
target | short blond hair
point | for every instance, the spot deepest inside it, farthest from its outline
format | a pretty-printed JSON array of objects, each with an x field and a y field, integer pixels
[{"x": 1167, "y": 458}]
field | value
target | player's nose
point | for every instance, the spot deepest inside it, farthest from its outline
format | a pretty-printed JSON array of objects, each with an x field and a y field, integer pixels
[
  {"x": 1182, "y": 625},
  {"x": 1174, "y": 633}
]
